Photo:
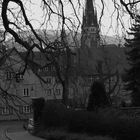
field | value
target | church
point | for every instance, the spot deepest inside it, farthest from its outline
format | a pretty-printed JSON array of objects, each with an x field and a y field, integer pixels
[
  {"x": 92, "y": 50},
  {"x": 94, "y": 61},
  {"x": 99, "y": 61}
]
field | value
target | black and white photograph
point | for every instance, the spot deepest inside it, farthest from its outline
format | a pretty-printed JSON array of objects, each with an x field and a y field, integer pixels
[{"x": 69, "y": 70}]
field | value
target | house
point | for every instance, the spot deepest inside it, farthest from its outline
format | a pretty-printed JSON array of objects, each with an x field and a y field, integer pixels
[{"x": 19, "y": 83}]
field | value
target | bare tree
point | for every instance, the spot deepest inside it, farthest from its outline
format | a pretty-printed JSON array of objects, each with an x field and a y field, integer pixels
[
  {"x": 51, "y": 51},
  {"x": 10, "y": 101},
  {"x": 109, "y": 75},
  {"x": 17, "y": 24}
]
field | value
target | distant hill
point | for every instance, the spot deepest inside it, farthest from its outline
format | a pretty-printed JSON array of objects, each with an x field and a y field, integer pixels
[{"x": 51, "y": 35}]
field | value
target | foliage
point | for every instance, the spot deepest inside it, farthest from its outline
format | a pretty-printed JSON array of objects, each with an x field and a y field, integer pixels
[
  {"x": 53, "y": 114},
  {"x": 106, "y": 122},
  {"x": 132, "y": 74},
  {"x": 98, "y": 97},
  {"x": 111, "y": 124},
  {"x": 38, "y": 104},
  {"x": 17, "y": 22}
]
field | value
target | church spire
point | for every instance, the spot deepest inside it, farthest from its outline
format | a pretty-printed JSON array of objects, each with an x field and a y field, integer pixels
[{"x": 89, "y": 14}]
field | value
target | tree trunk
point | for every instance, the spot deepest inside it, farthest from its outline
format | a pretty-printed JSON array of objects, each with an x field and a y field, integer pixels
[{"x": 65, "y": 93}]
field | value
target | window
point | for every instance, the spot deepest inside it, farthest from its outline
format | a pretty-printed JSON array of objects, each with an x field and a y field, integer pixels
[
  {"x": 6, "y": 110},
  {"x": 71, "y": 92},
  {"x": 48, "y": 80},
  {"x": 26, "y": 92},
  {"x": 39, "y": 70},
  {"x": 58, "y": 92},
  {"x": 74, "y": 59},
  {"x": 89, "y": 80},
  {"x": 19, "y": 77},
  {"x": 46, "y": 69},
  {"x": 9, "y": 75},
  {"x": 27, "y": 109},
  {"x": 61, "y": 68},
  {"x": 52, "y": 68},
  {"x": 57, "y": 80},
  {"x": 112, "y": 79},
  {"x": 48, "y": 92}
]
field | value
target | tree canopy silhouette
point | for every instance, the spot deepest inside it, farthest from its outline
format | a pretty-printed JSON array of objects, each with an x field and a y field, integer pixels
[
  {"x": 132, "y": 74},
  {"x": 98, "y": 97}
]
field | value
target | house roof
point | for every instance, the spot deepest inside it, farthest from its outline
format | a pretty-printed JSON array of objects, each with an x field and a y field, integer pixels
[{"x": 38, "y": 60}]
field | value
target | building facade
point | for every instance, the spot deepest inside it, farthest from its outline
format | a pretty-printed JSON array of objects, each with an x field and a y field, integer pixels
[
  {"x": 24, "y": 81},
  {"x": 19, "y": 84}
]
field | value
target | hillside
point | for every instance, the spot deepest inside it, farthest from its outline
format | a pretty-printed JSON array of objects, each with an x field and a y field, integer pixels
[{"x": 52, "y": 35}]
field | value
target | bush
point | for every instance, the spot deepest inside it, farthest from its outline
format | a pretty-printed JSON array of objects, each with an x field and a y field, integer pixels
[
  {"x": 37, "y": 104},
  {"x": 98, "y": 97},
  {"x": 82, "y": 121},
  {"x": 120, "y": 125},
  {"x": 106, "y": 122},
  {"x": 114, "y": 124},
  {"x": 53, "y": 115}
]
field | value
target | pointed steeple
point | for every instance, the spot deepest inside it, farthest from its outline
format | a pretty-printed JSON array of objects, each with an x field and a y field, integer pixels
[
  {"x": 90, "y": 27},
  {"x": 89, "y": 14}
]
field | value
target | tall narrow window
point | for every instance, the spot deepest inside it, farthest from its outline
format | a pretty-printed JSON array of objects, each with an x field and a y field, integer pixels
[
  {"x": 46, "y": 69},
  {"x": 58, "y": 91},
  {"x": 48, "y": 80},
  {"x": 52, "y": 68},
  {"x": 48, "y": 92},
  {"x": 5, "y": 111},
  {"x": 26, "y": 92},
  {"x": 9, "y": 75}
]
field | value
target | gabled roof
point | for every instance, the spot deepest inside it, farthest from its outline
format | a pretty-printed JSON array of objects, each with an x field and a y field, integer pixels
[
  {"x": 8, "y": 53},
  {"x": 5, "y": 55}
]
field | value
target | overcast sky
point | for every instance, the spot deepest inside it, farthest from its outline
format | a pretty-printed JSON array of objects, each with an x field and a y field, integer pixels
[{"x": 108, "y": 24}]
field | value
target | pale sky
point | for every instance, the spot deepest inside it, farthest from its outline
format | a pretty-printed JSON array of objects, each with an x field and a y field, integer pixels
[{"x": 108, "y": 24}]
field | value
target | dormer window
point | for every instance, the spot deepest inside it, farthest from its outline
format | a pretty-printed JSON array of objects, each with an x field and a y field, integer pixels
[
  {"x": 19, "y": 76},
  {"x": 11, "y": 75}
]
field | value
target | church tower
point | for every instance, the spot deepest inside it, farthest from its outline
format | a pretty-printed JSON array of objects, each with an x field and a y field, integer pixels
[
  {"x": 89, "y": 53},
  {"x": 90, "y": 28}
]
